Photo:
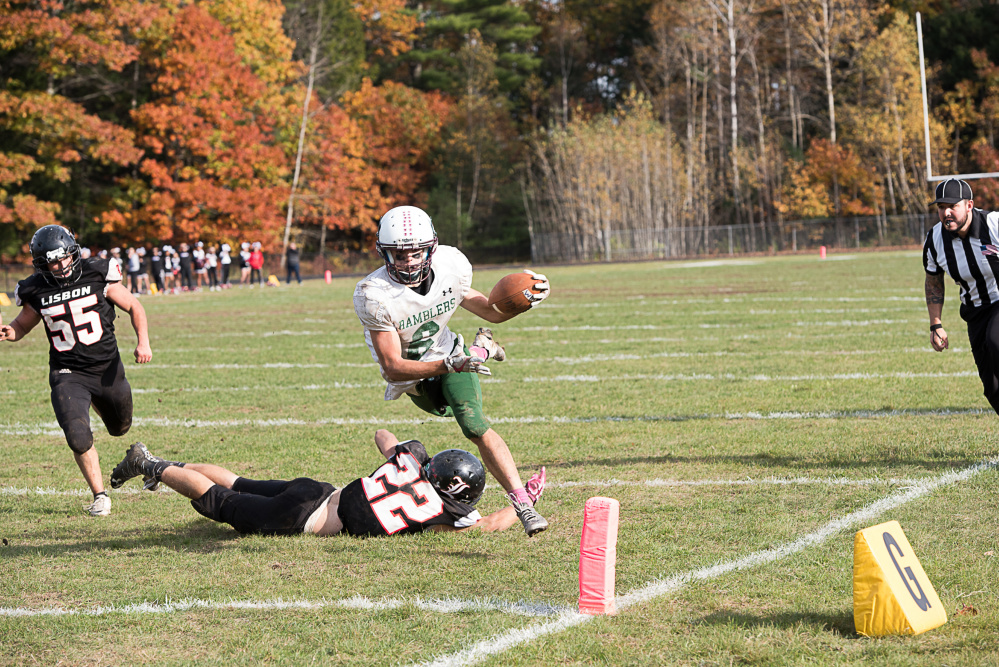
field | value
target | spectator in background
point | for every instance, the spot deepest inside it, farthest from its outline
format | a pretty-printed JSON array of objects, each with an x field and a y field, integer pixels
[
  {"x": 244, "y": 263},
  {"x": 257, "y": 265},
  {"x": 211, "y": 268},
  {"x": 156, "y": 268},
  {"x": 116, "y": 256},
  {"x": 291, "y": 262},
  {"x": 143, "y": 270},
  {"x": 184, "y": 259},
  {"x": 173, "y": 271},
  {"x": 200, "y": 263},
  {"x": 134, "y": 263},
  {"x": 225, "y": 259},
  {"x": 85, "y": 253}
]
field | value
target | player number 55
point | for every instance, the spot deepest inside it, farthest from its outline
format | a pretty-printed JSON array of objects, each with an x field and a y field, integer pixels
[{"x": 88, "y": 324}]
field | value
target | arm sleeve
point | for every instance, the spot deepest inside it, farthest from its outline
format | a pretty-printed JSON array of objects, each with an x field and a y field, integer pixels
[
  {"x": 929, "y": 255},
  {"x": 416, "y": 448},
  {"x": 372, "y": 313},
  {"x": 21, "y": 294},
  {"x": 468, "y": 520}
]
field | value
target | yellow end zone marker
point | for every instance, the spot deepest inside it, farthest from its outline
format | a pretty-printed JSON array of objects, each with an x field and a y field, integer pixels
[
  {"x": 4, "y": 299},
  {"x": 891, "y": 593}
]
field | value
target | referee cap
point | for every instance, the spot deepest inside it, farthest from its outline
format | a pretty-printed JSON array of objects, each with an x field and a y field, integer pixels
[{"x": 952, "y": 191}]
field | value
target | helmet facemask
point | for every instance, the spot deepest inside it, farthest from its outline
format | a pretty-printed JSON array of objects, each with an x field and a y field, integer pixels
[{"x": 411, "y": 273}]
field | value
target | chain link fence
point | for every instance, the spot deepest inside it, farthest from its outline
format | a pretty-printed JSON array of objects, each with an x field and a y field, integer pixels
[{"x": 722, "y": 240}]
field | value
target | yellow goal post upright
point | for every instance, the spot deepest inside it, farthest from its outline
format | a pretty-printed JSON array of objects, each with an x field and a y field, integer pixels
[{"x": 926, "y": 118}]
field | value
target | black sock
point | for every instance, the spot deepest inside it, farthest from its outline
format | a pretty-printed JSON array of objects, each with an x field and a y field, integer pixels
[{"x": 156, "y": 468}]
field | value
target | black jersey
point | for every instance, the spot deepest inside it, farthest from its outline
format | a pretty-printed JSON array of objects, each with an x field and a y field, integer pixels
[
  {"x": 397, "y": 498},
  {"x": 78, "y": 318}
]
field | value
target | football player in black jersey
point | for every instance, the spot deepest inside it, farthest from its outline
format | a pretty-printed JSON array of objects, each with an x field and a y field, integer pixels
[
  {"x": 76, "y": 298},
  {"x": 410, "y": 493}
]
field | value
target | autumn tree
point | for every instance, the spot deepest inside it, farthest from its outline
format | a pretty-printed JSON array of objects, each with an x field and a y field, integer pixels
[
  {"x": 213, "y": 165},
  {"x": 885, "y": 125},
  {"x": 55, "y": 151}
]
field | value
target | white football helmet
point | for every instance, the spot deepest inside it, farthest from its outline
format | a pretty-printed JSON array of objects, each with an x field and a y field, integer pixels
[{"x": 406, "y": 228}]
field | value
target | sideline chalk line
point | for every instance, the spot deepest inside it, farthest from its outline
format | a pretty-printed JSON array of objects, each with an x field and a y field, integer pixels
[
  {"x": 443, "y": 606},
  {"x": 659, "y": 587}
]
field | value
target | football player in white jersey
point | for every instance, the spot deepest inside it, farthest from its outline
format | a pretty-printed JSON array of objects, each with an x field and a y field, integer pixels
[{"x": 405, "y": 307}]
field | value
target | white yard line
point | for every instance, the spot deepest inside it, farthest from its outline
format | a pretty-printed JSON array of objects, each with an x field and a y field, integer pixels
[
  {"x": 442, "y": 606},
  {"x": 652, "y": 483},
  {"x": 52, "y": 428},
  {"x": 507, "y": 640}
]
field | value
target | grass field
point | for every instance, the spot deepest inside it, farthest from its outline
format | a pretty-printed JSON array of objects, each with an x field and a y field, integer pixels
[{"x": 750, "y": 415}]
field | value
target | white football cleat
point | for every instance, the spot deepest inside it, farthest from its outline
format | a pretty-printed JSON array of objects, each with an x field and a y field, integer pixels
[{"x": 100, "y": 507}]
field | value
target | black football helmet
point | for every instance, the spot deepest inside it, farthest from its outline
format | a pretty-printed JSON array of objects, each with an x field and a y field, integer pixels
[
  {"x": 457, "y": 474},
  {"x": 50, "y": 244}
]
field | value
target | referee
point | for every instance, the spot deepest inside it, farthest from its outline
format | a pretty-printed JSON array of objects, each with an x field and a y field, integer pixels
[{"x": 965, "y": 244}]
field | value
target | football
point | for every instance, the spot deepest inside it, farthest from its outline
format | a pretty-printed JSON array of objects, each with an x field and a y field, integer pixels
[{"x": 509, "y": 295}]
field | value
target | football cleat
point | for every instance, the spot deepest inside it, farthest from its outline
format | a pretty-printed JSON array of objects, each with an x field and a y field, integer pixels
[
  {"x": 533, "y": 522},
  {"x": 150, "y": 483},
  {"x": 100, "y": 507},
  {"x": 135, "y": 463},
  {"x": 484, "y": 339}
]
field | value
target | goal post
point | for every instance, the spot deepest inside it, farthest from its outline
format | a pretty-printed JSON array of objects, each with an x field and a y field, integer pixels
[{"x": 926, "y": 118}]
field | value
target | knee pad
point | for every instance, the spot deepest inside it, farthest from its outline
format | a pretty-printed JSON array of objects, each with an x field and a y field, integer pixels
[
  {"x": 79, "y": 436},
  {"x": 471, "y": 421},
  {"x": 120, "y": 428}
]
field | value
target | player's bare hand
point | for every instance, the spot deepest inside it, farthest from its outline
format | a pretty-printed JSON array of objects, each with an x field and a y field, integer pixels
[
  {"x": 6, "y": 332},
  {"x": 143, "y": 354},
  {"x": 939, "y": 341},
  {"x": 541, "y": 289}
]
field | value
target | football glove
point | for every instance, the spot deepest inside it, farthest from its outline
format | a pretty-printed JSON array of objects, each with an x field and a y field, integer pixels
[
  {"x": 536, "y": 485},
  {"x": 543, "y": 287},
  {"x": 459, "y": 362}
]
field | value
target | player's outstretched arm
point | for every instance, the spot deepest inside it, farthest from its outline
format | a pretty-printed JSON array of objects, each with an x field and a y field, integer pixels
[
  {"x": 506, "y": 517},
  {"x": 477, "y": 303},
  {"x": 499, "y": 520},
  {"x": 386, "y": 442},
  {"x": 121, "y": 297},
  {"x": 25, "y": 321}
]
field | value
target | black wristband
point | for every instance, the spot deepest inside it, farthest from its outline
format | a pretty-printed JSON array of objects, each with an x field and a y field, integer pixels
[{"x": 934, "y": 327}]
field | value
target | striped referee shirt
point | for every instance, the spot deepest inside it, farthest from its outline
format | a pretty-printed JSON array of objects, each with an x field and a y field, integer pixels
[{"x": 973, "y": 262}]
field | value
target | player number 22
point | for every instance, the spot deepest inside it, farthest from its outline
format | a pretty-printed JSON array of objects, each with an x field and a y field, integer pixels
[
  {"x": 400, "y": 474},
  {"x": 88, "y": 324}
]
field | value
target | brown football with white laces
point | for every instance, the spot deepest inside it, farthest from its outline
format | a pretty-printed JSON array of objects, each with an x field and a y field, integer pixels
[{"x": 509, "y": 295}]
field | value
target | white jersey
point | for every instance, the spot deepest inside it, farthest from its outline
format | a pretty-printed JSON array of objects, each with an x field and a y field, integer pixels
[{"x": 382, "y": 304}]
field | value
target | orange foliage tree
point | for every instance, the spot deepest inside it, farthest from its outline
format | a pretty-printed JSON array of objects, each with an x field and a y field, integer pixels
[
  {"x": 213, "y": 167},
  {"x": 809, "y": 193},
  {"x": 368, "y": 155},
  {"x": 48, "y": 139}
]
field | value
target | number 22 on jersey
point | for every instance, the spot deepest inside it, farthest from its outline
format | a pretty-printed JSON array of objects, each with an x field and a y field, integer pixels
[{"x": 414, "y": 498}]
